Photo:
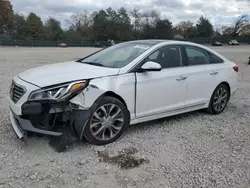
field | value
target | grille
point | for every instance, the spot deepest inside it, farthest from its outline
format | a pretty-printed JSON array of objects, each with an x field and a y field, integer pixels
[{"x": 16, "y": 92}]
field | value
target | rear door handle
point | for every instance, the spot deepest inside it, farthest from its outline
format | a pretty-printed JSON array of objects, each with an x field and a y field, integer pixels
[
  {"x": 181, "y": 78},
  {"x": 213, "y": 73}
]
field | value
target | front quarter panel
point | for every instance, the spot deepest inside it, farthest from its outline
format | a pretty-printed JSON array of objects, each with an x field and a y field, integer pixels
[{"x": 121, "y": 85}]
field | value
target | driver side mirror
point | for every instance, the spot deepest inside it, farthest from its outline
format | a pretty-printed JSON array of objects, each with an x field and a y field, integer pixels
[{"x": 151, "y": 66}]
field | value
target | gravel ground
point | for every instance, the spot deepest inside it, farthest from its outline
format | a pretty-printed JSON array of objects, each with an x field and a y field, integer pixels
[{"x": 189, "y": 150}]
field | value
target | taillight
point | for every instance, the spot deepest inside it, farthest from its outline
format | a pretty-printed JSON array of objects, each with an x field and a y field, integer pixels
[{"x": 236, "y": 68}]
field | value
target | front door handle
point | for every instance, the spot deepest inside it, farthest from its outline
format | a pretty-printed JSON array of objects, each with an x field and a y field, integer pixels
[
  {"x": 181, "y": 78},
  {"x": 213, "y": 73}
]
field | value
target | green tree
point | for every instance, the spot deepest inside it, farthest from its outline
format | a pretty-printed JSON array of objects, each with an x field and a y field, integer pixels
[
  {"x": 34, "y": 27},
  {"x": 124, "y": 25},
  {"x": 53, "y": 30},
  {"x": 136, "y": 23},
  {"x": 72, "y": 35},
  {"x": 18, "y": 28},
  {"x": 100, "y": 25},
  {"x": 149, "y": 20},
  {"x": 163, "y": 29},
  {"x": 6, "y": 16},
  {"x": 204, "y": 27},
  {"x": 111, "y": 24}
]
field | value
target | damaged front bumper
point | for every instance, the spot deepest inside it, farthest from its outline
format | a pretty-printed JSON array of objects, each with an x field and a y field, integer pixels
[
  {"x": 21, "y": 126},
  {"x": 48, "y": 118}
]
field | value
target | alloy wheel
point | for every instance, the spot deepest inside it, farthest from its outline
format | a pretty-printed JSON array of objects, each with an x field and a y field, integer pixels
[
  {"x": 106, "y": 122},
  {"x": 220, "y": 99}
]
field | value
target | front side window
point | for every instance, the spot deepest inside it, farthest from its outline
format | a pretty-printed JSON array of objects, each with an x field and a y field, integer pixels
[
  {"x": 118, "y": 55},
  {"x": 197, "y": 56},
  {"x": 167, "y": 57}
]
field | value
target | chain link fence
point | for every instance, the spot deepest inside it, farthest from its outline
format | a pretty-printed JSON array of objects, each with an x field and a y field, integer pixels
[
  {"x": 225, "y": 40},
  {"x": 33, "y": 43}
]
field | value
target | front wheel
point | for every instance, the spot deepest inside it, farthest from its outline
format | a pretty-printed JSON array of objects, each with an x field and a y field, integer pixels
[
  {"x": 219, "y": 99},
  {"x": 109, "y": 118}
]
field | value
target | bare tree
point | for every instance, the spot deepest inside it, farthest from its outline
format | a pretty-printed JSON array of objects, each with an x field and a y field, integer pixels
[
  {"x": 79, "y": 21},
  {"x": 245, "y": 30},
  {"x": 239, "y": 24},
  {"x": 184, "y": 28},
  {"x": 150, "y": 17},
  {"x": 227, "y": 31},
  {"x": 136, "y": 19}
]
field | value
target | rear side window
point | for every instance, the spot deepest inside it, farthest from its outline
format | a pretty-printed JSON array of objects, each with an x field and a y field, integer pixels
[
  {"x": 197, "y": 56},
  {"x": 215, "y": 59}
]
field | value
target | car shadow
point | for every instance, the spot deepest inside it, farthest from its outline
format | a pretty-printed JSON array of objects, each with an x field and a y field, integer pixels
[
  {"x": 145, "y": 126},
  {"x": 158, "y": 123}
]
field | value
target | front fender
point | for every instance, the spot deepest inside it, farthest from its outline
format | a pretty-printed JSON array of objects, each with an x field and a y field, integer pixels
[
  {"x": 122, "y": 86},
  {"x": 87, "y": 98}
]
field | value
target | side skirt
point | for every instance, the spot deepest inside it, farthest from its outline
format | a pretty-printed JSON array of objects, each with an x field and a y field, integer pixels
[{"x": 168, "y": 113}]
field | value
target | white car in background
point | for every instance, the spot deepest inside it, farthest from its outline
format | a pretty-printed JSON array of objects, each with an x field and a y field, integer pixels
[
  {"x": 99, "y": 96},
  {"x": 233, "y": 42}
]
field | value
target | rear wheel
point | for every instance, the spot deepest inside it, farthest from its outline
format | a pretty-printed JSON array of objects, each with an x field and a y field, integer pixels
[
  {"x": 109, "y": 118},
  {"x": 219, "y": 99}
]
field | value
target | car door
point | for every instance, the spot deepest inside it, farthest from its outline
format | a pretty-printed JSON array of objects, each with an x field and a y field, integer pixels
[
  {"x": 202, "y": 76},
  {"x": 161, "y": 91}
]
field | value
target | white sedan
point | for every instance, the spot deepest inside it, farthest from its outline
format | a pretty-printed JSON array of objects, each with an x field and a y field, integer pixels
[
  {"x": 99, "y": 96},
  {"x": 233, "y": 42}
]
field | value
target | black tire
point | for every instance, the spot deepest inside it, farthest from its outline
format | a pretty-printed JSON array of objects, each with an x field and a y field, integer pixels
[
  {"x": 106, "y": 100},
  {"x": 212, "y": 109}
]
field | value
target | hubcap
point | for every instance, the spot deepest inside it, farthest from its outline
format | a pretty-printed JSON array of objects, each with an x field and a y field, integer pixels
[
  {"x": 106, "y": 122},
  {"x": 220, "y": 99}
]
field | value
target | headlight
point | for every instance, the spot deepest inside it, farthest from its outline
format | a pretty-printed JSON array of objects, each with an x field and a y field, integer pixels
[{"x": 58, "y": 92}]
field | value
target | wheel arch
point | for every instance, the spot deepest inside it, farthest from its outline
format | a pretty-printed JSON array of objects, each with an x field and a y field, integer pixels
[
  {"x": 82, "y": 117},
  {"x": 113, "y": 94},
  {"x": 209, "y": 109},
  {"x": 228, "y": 86},
  {"x": 95, "y": 106},
  {"x": 225, "y": 83}
]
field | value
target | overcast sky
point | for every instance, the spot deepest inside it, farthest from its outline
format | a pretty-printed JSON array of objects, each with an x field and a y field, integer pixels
[{"x": 220, "y": 12}]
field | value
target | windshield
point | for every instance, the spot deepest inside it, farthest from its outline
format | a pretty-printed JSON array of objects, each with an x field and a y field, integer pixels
[{"x": 118, "y": 55}]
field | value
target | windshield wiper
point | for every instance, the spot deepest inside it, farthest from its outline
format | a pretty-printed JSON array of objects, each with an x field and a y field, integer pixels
[{"x": 93, "y": 63}]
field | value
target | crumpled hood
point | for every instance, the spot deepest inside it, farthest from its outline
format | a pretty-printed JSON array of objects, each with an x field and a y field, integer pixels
[{"x": 64, "y": 72}]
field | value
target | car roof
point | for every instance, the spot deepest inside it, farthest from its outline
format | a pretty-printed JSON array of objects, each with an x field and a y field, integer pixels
[
  {"x": 158, "y": 41},
  {"x": 147, "y": 41}
]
